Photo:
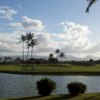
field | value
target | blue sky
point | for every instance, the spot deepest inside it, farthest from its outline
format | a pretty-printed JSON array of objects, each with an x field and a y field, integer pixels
[{"x": 57, "y": 23}]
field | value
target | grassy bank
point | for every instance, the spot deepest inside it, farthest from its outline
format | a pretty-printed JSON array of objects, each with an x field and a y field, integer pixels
[
  {"x": 51, "y": 69},
  {"x": 88, "y": 96}
]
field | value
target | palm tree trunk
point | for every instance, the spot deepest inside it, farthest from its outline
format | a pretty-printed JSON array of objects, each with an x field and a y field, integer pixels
[
  {"x": 23, "y": 51},
  {"x": 61, "y": 59},
  {"x": 32, "y": 52},
  {"x": 27, "y": 53}
]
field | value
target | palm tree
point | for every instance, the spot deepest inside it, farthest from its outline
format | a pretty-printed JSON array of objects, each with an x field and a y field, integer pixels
[
  {"x": 22, "y": 39},
  {"x": 51, "y": 56},
  {"x": 33, "y": 43},
  {"x": 57, "y": 51},
  {"x": 5, "y": 59},
  {"x": 29, "y": 37},
  {"x": 28, "y": 46},
  {"x": 18, "y": 59},
  {"x": 91, "y": 2},
  {"x": 62, "y": 55},
  {"x": 9, "y": 58}
]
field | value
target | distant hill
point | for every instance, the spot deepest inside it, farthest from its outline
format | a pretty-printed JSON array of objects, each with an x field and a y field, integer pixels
[
  {"x": 91, "y": 57},
  {"x": 68, "y": 57}
]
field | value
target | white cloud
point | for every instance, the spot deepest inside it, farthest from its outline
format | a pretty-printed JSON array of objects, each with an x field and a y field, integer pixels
[
  {"x": 76, "y": 37},
  {"x": 8, "y": 43},
  {"x": 93, "y": 49},
  {"x": 4, "y": 47},
  {"x": 46, "y": 43},
  {"x": 29, "y": 23},
  {"x": 15, "y": 25},
  {"x": 7, "y": 12}
]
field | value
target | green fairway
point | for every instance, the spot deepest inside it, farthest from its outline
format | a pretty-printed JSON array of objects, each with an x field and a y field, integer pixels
[
  {"x": 88, "y": 96},
  {"x": 52, "y": 69}
]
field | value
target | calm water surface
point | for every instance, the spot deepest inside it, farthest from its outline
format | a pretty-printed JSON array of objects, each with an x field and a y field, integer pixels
[{"x": 12, "y": 85}]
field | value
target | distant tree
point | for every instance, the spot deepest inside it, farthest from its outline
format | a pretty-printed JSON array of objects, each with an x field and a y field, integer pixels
[
  {"x": 57, "y": 51},
  {"x": 32, "y": 44},
  {"x": 22, "y": 39},
  {"x": 18, "y": 59},
  {"x": 52, "y": 59},
  {"x": 91, "y": 2},
  {"x": 62, "y": 55},
  {"x": 51, "y": 56},
  {"x": 91, "y": 60},
  {"x": 5, "y": 59},
  {"x": 29, "y": 37},
  {"x": 28, "y": 48},
  {"x": 9, "y": 58}
]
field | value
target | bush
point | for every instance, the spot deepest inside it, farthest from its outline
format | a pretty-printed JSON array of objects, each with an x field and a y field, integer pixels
[
  {"x": 45, "y": 86},
  {"x": 76, "y": 88}
]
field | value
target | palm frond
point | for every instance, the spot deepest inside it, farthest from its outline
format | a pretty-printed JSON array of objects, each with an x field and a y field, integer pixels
[{"x": 91, "y": 2}]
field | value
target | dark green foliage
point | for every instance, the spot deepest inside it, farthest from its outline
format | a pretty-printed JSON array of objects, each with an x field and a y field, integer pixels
[
  {"x": 45, "y": 86},
  {"x": 76, "y": 88},
  {"x": 83, "y": 63},
  {"x": 53, "y": 60}
]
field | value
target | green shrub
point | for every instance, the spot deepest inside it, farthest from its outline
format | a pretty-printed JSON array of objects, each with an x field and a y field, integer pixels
[
  {"x": 45, "y": 86},
  {"x": 76, "y": 88}
]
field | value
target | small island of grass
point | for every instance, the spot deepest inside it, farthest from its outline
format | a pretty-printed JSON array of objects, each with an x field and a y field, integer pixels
[{"x": 51, "y": 69}]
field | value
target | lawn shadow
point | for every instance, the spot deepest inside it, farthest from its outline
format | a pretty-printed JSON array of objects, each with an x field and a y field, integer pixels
[
  {"x": 25, "y": 98},
  {"x": 63, "y": 97},
  {"x": 93, "y": 97}
]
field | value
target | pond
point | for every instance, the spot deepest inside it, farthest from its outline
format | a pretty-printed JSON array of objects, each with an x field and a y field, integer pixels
[{"x": 12, "y": 85}]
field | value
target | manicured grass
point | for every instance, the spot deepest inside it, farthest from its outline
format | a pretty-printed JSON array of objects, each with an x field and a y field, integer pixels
[
  {"x": 88, "y": 96},
  {"x": 51, "y": 69}
]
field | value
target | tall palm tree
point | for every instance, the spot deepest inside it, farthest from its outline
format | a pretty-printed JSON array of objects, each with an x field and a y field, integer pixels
[
  {"x": 62, "y": 55},
  {"x": 29, "y": 37},
  {"x": 33, "y": 43},
  {"x": 22, "y": 39},
  {"x": 28, "y": 47},
  {"x": 91, "y": 2},
  {"x": 57, "y": 52}
]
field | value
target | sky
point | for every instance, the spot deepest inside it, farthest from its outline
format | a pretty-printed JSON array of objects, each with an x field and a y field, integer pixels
[{"x": 61, "y": 24}]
